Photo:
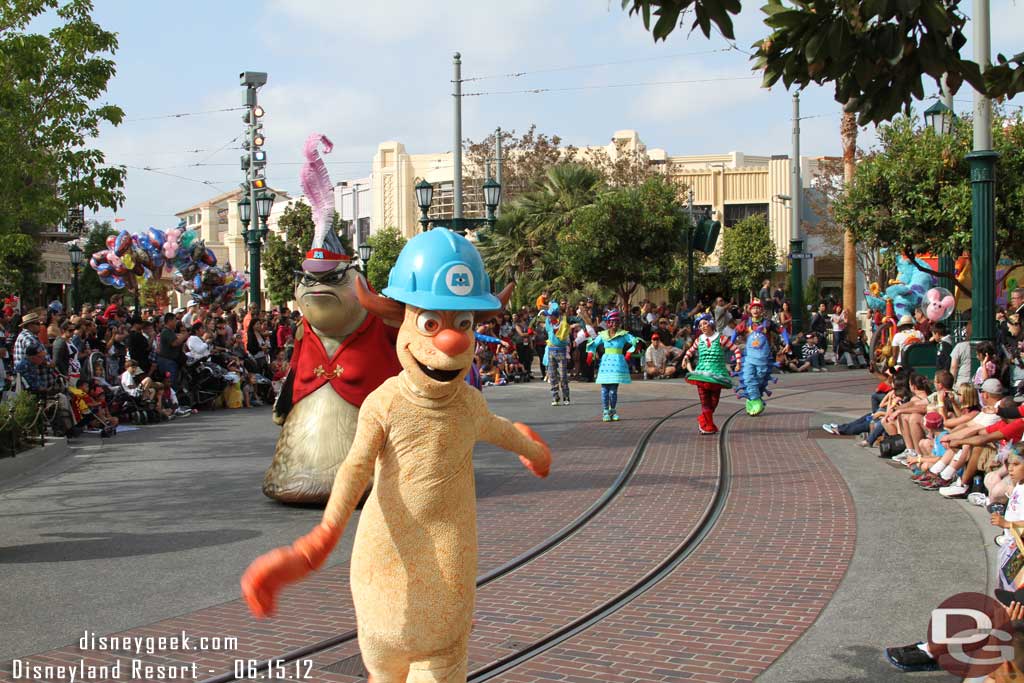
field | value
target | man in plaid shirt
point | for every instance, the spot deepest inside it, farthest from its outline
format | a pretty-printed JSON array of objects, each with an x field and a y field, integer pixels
[
  {"x": 35, "y": 370},
  {"x": 28, "y": 337}
]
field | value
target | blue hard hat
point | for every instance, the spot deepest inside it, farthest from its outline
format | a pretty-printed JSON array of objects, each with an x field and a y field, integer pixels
[{"x": 440, "y": 270}]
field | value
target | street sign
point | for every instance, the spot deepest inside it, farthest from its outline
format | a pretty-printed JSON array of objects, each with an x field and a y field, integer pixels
[{"x": 801, "y": 256}]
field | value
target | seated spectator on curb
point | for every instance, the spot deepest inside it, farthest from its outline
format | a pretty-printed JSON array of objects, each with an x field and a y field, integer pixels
[
  {"x": 812, "y": 357},
  {"x": 196, "y": 348},
  {"x": 658, "y": 359},
  {"x": 960, "y": 455},
  {"x": 136, "y": 384}
]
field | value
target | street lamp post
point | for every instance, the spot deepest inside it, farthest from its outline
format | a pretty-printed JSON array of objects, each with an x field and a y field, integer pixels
[
  {"x": 425, "y": 196},
  {"x": 254, "y": 240},
  {"x": 941, "y": 119},
  {"x": 75, "y": 252},
  {"x": 365, "y": 252}
]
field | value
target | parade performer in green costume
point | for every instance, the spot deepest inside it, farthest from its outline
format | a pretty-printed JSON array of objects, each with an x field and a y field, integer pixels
[
  {"x": 712, "y": 371},
  {"x": 618, "y": 345}
]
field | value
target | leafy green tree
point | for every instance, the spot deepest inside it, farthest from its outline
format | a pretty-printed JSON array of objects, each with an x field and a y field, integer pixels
[
  {"x": 627, "y": 236},
  {"x": 523, "y": 245},
  {"x": 282, "y": 256},
  {"x": 152, "y": 292},
  {"x": 913, "y": 193},
  {"x": 49, "y": 87},
  {"x": 875, "y": 53},
  {"x": 90, "y": 289},
  {"x": 387, "y": 244},
  {"x": 748, "y": 253}
]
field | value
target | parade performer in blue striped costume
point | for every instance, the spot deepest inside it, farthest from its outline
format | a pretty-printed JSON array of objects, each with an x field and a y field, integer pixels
[
  {"x": 556, "y": 353},
  {"x": 758, "y": 360},
  {"x": 618, "y": 345}
]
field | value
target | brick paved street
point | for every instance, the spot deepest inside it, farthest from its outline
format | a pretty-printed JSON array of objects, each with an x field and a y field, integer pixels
[{"x": 769, "y": 566}]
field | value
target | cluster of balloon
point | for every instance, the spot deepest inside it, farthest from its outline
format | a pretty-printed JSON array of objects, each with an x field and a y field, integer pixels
[{"x": 181, "y": 252}]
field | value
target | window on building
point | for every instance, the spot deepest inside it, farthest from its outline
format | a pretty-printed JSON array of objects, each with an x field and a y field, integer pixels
[
  {"x": 364, "y": 230},
  {"x": 734, "y": 213}
]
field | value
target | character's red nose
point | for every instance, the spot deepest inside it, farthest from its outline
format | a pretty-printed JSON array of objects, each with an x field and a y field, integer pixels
[{"x": 450, "y": 342}]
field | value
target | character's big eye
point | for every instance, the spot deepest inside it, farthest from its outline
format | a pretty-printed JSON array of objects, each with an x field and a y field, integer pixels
[
  {"x": 463, "y": 321},
  {"x": 429, "y": 323}
]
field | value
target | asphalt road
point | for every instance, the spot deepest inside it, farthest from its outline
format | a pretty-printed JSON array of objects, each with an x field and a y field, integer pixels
[{"x": 163, "y": 521}]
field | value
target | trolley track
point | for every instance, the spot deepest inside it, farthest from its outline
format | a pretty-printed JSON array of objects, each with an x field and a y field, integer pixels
[
  {"x": 556, "y": 539},
  {"x": 667, "y": 566}
]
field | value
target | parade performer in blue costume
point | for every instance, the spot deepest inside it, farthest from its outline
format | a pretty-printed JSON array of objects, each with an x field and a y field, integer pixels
[
  {"x": 556, "y": 353},
  {"x": 758, "y": 360},
  {"x": 618, "y": 345},
  {"x": 712, "y": 371}
]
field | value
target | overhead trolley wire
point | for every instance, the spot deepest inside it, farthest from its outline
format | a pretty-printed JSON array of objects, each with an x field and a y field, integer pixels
[
  {"x": 535, "y": 91},
  {"x": 574, "y": 67}
]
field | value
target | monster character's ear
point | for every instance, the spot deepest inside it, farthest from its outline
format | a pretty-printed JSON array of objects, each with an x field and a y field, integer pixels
[
  {"x": 390, "y": 311},
  {"x": 503, "y": 296}
]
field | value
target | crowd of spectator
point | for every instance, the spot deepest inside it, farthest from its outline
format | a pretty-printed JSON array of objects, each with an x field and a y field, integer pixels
[
  {"x": 95, "y": 368},
  {"x": 958, "y": 433}
]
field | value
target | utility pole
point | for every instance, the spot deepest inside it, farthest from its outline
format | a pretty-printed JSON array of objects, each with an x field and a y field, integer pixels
[
  {"x": 497, "y": 164},
  {"x": 457, "y": 142},
  {"x": 983, "y": 181},
  {"x": 357, "y": 235},
  {"x": 796, "y": 244},
  {"x": 690, "y": 300}
]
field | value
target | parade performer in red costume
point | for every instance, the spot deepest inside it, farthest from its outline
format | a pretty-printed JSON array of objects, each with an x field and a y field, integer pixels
[{"x": 712, "y": 371}]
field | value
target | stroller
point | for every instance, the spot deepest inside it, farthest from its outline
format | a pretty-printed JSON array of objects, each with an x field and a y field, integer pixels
[
  {"x": 84, "y": 414},
  {"x": 202, "y": 383}
]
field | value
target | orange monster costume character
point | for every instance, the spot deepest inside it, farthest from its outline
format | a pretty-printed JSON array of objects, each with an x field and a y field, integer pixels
[{"x": 414, "y": 560}]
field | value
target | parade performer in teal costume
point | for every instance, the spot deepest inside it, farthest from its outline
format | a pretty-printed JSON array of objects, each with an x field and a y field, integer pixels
[
  {"x": 712, "y": 371},
  {"x": 758, "y": 360},
  {"x": 618, "y": 345},
  {"x": 556, "y": 354}
]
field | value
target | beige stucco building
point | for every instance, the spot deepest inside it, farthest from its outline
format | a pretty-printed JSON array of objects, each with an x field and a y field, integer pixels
[{"x": 733, "y": 185}]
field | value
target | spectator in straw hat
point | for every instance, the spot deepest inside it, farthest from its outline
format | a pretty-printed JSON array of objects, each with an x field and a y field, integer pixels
[
  {"x": 906, "y": 334},
  {"x": 29, "y": 335}
]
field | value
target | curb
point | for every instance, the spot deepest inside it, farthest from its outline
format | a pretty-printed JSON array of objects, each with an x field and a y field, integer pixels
[{"x": 16, "y": 468}]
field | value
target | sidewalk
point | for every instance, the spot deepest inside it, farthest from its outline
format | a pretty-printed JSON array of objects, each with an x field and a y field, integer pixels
[{"x": 914, "y": 549}]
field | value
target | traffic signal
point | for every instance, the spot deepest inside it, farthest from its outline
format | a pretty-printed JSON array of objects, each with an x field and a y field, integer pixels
[
  {"x": 705, "y": 234},
  {"x": 254, "y": 161}
]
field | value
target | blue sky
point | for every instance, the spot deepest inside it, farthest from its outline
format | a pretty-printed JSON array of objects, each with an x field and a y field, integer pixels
[{"x": 365, "y": 72}]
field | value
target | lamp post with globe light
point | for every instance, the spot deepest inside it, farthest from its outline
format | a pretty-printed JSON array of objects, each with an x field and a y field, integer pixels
[
  {"x": 365, "y": 252},
  {"x": 425, "y": 196}
]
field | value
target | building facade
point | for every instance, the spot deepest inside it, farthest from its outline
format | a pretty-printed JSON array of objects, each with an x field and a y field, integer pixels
[{"x": 732, "y": 185}]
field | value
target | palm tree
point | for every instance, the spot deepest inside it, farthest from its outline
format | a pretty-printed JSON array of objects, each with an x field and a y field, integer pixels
[
  {"x": 522, "y": 242},
  {"x": 562, "y": 190}
]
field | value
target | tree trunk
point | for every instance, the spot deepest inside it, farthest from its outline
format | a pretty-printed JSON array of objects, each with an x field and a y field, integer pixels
[{"x": 848, "y": 131}]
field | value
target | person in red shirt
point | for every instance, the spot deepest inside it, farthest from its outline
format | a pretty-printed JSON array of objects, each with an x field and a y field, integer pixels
[{"x": 1005, "y": 433}]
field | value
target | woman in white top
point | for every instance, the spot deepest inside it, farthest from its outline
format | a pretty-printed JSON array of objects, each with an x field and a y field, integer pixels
[{"x": 195, "y": 347}]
